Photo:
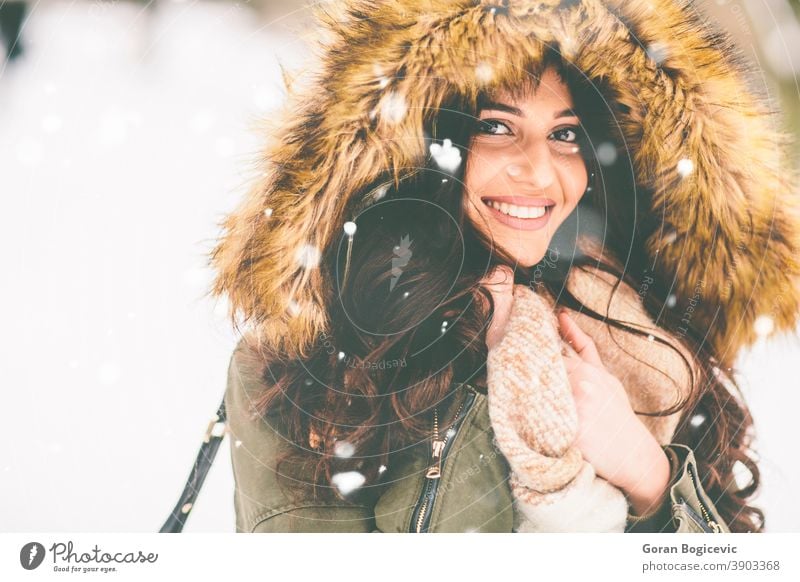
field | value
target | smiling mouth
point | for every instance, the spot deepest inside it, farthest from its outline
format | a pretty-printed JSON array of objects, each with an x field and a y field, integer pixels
[{"x": 519, "y": 208}]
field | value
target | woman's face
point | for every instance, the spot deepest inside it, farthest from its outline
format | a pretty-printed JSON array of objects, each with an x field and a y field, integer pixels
[{"x": 525, "y": 173}]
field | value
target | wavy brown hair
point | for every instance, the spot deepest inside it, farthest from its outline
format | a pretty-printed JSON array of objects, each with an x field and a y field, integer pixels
[{"x": 417, "y": 261}]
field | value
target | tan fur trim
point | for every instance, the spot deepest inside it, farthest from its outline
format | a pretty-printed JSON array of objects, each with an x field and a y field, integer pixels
[{"x": 732, "y": 223}]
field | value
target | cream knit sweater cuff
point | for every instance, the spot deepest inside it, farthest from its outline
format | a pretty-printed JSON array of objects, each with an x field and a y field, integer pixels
[{"x": 535, "y": 424}]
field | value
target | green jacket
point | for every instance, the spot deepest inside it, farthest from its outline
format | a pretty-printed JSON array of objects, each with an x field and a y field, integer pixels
[{"x": 472, "y": 493}]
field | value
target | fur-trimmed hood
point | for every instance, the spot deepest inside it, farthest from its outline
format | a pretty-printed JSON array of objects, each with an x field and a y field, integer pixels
[{"x": 703, "y": 143}]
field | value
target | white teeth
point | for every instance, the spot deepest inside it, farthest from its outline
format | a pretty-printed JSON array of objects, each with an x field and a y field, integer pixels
[{"x": 518, "y": 211}]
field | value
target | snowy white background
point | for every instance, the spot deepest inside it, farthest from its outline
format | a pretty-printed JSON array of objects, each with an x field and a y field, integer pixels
[{"x": 126, "y": 134}]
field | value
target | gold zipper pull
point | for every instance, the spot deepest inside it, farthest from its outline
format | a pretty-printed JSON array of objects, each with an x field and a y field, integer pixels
[
  {"x": 435, "y": 470},
  {"x": 715, "y": 527}
]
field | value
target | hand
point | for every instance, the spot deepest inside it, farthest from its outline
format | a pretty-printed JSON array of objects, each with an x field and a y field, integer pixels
[
  {"x": 610, "y": 435},
  {"x": 535, "y": 420}
]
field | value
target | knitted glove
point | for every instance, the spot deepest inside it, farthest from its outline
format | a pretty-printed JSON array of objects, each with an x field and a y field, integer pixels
[{"x": 535, "y": 425}]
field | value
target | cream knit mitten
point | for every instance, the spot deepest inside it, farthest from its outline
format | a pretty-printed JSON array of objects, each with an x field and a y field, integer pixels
[{"x": 535, "y": 423}]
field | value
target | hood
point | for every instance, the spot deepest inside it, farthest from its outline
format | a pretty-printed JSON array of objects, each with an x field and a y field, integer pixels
[{"x": 720, "y": 186}]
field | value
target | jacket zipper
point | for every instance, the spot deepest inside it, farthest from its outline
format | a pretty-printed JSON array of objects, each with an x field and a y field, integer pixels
[
  {"x": 713, "y": 525},
  {"x": 692, "y": 515},
  {"x": 421, "y": 516}
]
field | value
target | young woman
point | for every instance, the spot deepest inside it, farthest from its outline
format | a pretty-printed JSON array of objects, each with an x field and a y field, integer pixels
[{"x": 497, "y": 271}]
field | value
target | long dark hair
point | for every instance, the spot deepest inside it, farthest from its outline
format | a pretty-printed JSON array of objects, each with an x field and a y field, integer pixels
[{"x": 409, "y": 321}]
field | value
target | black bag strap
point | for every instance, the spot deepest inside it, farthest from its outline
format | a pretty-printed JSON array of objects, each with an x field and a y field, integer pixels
[{"x": 215, "y": 433}]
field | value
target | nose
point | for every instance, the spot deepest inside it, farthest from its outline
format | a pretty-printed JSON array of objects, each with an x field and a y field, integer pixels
[{"x": 532, "y": 166}]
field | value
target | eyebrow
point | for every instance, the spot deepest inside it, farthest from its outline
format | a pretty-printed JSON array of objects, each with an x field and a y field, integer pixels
[{"x": 569, "y": 112}]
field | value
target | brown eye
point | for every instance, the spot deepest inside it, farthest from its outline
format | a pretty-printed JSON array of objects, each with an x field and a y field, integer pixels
[
  {"x": 566, "y": 134},
  {"x": 492, "y": 127}
]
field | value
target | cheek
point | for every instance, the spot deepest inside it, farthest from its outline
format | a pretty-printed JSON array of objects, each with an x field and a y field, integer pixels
[
  {"x": 574, "y": 179},
  {"x": 475, "y": 175}
]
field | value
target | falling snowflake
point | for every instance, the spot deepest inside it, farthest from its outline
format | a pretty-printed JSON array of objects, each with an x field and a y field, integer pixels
[
  {"x": 308, "y": 256},
  {"x": 446, "y": 155},
  {"x": 268, "y": 212},
  {"x": 114, "y": 127},
  {"x": 671, "y": 301},
  {"x": 650, "y": 337},
  {"x": 308, "y": 381},
  {"x": 51, "y": 123},
  {"x": 381, "y": 469},
  {"x": 109, "y": 373},
  {"x": 670, "y": 237},
  {"x": 657, "y": 52},
  {"x": 393, "y": 107},
  {"x": 764, "y": 325},
  {"x": 201, "y": 121},
  {"x": 350, "y": 228},
  {"x": 348, "y": 481},
  {"x": 484, "y": 73},
  {"x": 294, "y": 308},
  {"x": 606, "y": 153},
  {"x": 405, "y": 295},
  {"x": 697, "y": 420},
  {"x": 568, "y": 47},
  {"x": 380, "y": 192},
  {"x": 237, "y": 444},
  {"x": 341, "y": 356},
  {"x": 264, "y": 96},
  {"x": 383, "y": 80},
  {"x": 685, "y": 167},
  {"x": 451, "y": 432},
  {"x": 343, "y": 449},
  {"x": 514, "y": 170}
]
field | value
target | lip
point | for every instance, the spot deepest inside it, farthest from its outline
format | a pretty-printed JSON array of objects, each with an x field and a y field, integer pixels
[
  {"x": 520, "y": 200},
  {"x": 519, "y": 223}
]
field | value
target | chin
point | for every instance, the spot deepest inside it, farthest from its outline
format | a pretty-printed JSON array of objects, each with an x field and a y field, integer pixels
[
  {"x": 526, "y": 258},
  {"x": 529, "y": 261}
]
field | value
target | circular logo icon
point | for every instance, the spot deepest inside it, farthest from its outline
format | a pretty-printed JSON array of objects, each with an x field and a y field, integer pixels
[
  {"x": 31, "y": 555},
  {"x": 394, "y": 243}
]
